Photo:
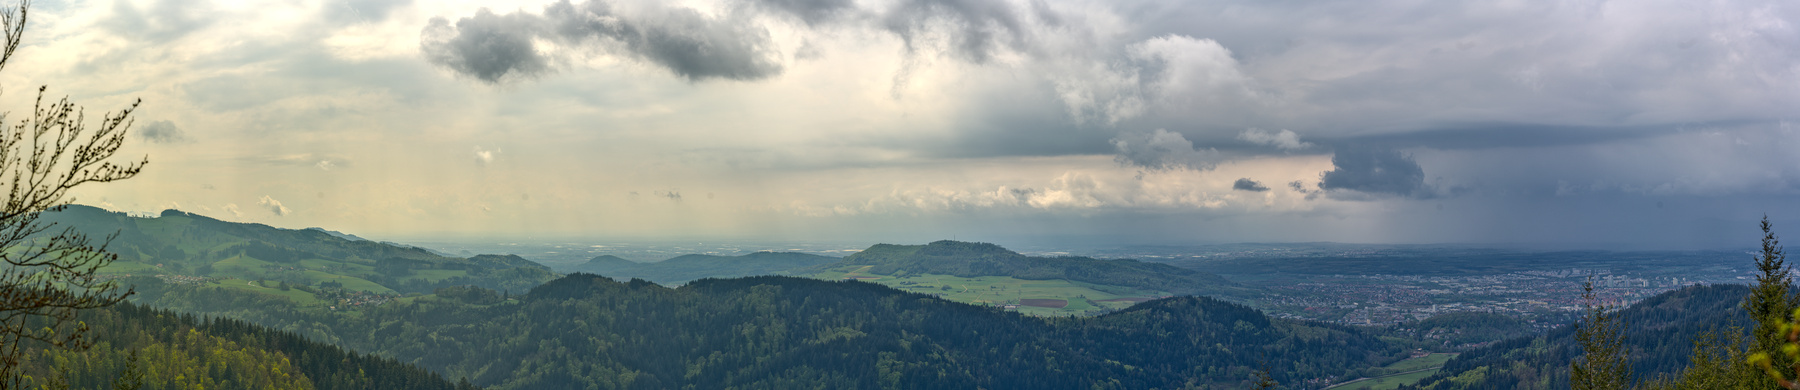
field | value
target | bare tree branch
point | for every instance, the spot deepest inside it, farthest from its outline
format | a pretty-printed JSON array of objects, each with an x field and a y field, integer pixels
[{"x": 47, "y": 275}]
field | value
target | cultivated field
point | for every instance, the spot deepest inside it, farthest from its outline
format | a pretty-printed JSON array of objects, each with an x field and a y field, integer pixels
[
  {"x": 1034, "y": 297},
  {"x": 1406, "y": 372}
]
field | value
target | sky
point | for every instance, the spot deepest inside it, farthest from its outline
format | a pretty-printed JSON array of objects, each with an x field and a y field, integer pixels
[{"x": 1637, "y": 124}]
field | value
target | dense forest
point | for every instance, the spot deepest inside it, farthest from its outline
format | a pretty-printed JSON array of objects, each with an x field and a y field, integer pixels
[
  {"x": 589, "y": 331},
  {"x": 152, "y": 349},
  {"x": 1458, "y": 331},
  {"x": 1660, "y": 334}
]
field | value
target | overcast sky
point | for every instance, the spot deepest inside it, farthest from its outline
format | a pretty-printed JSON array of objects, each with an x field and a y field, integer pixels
[{"x": 1631, "y": 123}]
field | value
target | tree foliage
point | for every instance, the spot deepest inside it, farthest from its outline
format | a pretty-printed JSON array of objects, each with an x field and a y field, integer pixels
[
  {"x": 49, "y": 274},
  {"x": 1772, "y": 299},
  {"x": 136, "y": 347}
]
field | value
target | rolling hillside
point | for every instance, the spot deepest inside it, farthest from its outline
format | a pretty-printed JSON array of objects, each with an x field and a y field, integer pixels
[
  {"x": 307, "y": 265},
  {"x": 158, "y": 349},
  {"x": 682, "y": 269},
  {"x": 991, "y": 275},
  {"x": 1659, "y": 330},
  {"x": 588, "y": 331}
]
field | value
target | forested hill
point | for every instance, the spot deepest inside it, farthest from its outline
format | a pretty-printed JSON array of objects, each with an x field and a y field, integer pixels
[
  {"x": 1660, "y": 332},
  {"x": 200, "y": 249},
  {"x": 968, "y": 259},
  {"x": 157, "y": 349},
  {"x": 589, "y": 331},
  {"x": 690, "y": 267}
]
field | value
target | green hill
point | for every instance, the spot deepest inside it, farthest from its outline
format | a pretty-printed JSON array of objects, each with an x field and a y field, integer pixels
[
  {"x": 589, "y": 331},
  {"x": 1660, "y": 331},
  {"x": 987, "y": 274},
  {"x": 977, "y": 273},
  {"x": 606, "y": 265},
  {"x": 191, "y": 249},
  {"x": 165, "y": 350},
  {"x": 968, "y": 259},
  {"x": 685, "y": 268}
]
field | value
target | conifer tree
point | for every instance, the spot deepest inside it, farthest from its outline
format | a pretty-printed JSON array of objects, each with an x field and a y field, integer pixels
[
  {"x": 1726, "y": 358},
  {"x": 1602, "y": 364},
  {"x": 1771, "y": 299}
]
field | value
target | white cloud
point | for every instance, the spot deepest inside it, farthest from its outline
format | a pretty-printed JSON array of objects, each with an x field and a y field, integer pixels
[
  {"x": 273, "y": 205},
  {"x": 485, "y": 157}
]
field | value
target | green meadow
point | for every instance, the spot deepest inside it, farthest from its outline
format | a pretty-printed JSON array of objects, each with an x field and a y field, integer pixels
[
  {"x": 1407, "y": 372},
  {"x": 1082, "y": 298}
]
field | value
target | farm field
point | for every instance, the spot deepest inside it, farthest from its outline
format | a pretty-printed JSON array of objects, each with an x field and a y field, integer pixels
[
  {"x": 301, "y": 298},
  {"x": 1407, "y": 372},
  {"x": 1032, "y": 297}
]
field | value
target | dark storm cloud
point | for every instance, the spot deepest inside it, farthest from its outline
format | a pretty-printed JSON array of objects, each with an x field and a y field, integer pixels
[
  {"x": 1480, "y": 75},
  {"x": 978, "y": 29},
  {"x": 1163, "y": 150},
  {"x": 1523, "y": 135},
  {"x": 813, "y": 12},
  {"x": 490, "y": 47},
  {"x": 1098, "y": 77},
  {"x": 680, "y": 39},
  {"x": 161, "y": 132},
  {"x": 1245, "y": 184},
  {"x": 1013, "y": 123},
  {"x": 486, "y": 46},
  {"x": 1378, "y": 171}
]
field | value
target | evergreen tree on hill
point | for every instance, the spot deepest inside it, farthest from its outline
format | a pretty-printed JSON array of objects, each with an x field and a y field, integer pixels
[
  {"x": 1603, "y": 364},
  {"x": 1771, "y": 300}
]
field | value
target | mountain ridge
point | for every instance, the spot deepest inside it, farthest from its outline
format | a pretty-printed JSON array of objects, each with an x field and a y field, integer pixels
[
  {"x": 975, "y": 259},
  {"x": 182, "y": 244},
  {"x": 684, "y": 268}
]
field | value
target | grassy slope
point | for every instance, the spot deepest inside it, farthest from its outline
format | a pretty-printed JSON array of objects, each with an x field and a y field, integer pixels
[
  {"x": 1407, "y": 372},
  {"x": 997, "y": 290},
  {"x": 183, "y": 244}
]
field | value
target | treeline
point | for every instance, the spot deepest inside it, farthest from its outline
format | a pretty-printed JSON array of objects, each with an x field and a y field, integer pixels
[{"x": 138, "y": 347}]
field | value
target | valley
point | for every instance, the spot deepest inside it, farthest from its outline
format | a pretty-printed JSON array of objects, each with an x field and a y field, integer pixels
[{"x": 373, "y": 296}]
